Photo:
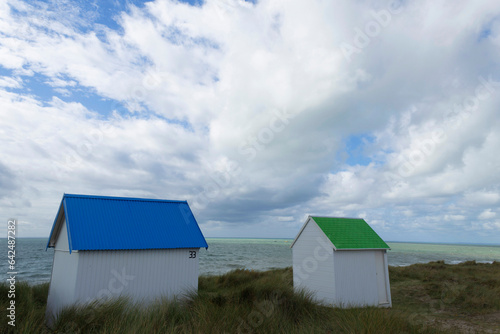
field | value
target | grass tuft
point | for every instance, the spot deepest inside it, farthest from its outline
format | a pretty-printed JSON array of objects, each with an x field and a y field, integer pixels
[{"x": 427, "y": 298}]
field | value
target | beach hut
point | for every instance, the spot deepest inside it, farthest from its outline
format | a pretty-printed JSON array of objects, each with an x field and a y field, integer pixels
[
  {"x": 105, "y": 247},
  {"x": 342, "y": 262}
]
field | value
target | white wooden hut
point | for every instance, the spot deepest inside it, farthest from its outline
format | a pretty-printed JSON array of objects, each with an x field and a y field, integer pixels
[
  {"x": 107, "y": 247},
  {"x": 342, "y": 262}
]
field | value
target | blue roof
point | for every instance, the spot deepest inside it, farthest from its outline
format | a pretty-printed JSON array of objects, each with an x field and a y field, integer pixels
[{"x": 119, "y": 223}]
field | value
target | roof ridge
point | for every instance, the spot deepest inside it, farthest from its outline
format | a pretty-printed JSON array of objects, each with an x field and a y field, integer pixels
[
  {"x": 118, "y": 198},
  {"x": 337, "y": 217}
]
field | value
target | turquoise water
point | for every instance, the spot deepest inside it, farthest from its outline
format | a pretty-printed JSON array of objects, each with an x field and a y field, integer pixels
[
  {"x": 34, "y": 264},
  {"x": 258, "y": 254},
  {"x": 403, "y": 253}
]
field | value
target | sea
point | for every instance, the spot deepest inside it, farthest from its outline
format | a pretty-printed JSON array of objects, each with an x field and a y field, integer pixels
[{"x": 33, "y": 263}]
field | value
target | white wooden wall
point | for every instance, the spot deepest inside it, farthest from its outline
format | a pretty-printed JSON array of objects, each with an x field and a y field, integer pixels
[
  {"x": 356, "y": 278},
  {"x": 384, "y": 288},
  {"x": 142, "y": 275},
  {"x": 63, "y": 278},
  {"x": 313, "y": 264}
]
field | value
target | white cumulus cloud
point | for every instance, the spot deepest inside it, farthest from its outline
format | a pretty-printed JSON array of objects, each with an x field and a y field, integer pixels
[{"x": 257, "y": 113}]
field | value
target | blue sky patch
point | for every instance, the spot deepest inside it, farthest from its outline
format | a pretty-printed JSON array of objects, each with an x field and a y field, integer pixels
[
  {"x": 485, "y": 33},
  {"x": 354, "y": 152},
  {"x": 37, "y": 85},
  {"x": 486, "y": 30}
]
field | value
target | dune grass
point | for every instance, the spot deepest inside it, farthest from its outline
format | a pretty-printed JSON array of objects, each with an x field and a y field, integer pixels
[
  {"x": 462, "y": 298},
  {"x": 427, "y": 298}
]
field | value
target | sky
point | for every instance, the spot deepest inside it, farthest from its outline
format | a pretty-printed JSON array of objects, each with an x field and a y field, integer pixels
[{"x": 257, "y": 113}]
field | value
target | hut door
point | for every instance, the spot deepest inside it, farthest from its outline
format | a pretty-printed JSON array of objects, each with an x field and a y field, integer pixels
[{"x": 381, "y": 279}]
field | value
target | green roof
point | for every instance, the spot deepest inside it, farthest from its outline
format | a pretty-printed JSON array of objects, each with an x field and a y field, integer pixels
[{"x": 350, "y": 233}]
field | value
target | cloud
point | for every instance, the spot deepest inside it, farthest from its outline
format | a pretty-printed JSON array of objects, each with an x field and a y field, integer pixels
[
  {"x": 487, "y": 214},
  {"x": 481, "y": 197},
  {"x": 7, "y": 181},
  {"x": 250, "y": 112},
  {"x": 8, "y": 82},
  {"x": 454, "y": 217}
]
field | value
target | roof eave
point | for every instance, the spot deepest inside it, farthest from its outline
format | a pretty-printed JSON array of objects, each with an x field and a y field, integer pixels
[
  {"x": 66, "y": 218},
  {"x": 134, "y": 249},
  {"x": 341, "y": 249},
  {"x": 304, "y": 226},
  {"x": 197, "y": 225},
  {"x": 300, "y": 232},
  {"x": 61, "y": 207}
]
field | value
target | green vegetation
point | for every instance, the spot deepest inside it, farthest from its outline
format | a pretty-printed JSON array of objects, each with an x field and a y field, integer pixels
[
  {"x": 427, "y": 298},
  {"x": 462, "y": 298}
]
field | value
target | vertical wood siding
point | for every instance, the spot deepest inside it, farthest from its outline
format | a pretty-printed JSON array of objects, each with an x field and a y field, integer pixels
[
  {"x": 141, "y": 275},
  {"x": 383, "y": 297},
  {"x": 356, "y": 278},
  {"x": 63, "y": 278},
  {"x": 313, "y": 264},
  {"x": 62, "y": 240}
]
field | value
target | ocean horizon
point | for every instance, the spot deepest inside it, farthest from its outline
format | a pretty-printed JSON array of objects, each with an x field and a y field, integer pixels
[
  {"x": 280, "y": 238},
  {"x": 34, "y": 263}
]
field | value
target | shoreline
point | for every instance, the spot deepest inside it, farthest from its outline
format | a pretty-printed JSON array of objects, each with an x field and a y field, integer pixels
[{"x": 292, "y": 238}]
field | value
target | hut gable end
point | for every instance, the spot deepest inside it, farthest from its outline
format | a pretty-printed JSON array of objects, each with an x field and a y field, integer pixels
[
  {"x": 107, "y": 247},
  {"x": 354, "y": 274}
]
